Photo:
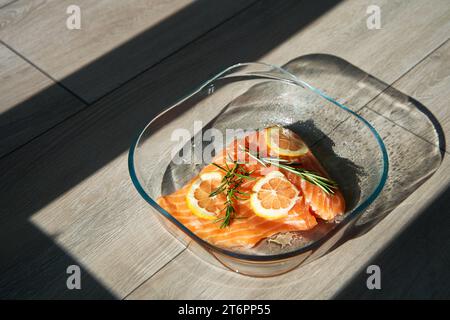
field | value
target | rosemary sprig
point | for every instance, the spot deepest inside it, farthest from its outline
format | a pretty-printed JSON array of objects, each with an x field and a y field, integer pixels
[
  {"x": 234, "y": 177},
  {"x": 327, "y": 185}
]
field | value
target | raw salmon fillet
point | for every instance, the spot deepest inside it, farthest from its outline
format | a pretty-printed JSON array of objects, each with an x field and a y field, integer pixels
[{"x": 246, "y": 232}]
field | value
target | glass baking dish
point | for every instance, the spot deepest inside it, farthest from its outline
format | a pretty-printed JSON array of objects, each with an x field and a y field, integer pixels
[{"x": 251, "y": 96}]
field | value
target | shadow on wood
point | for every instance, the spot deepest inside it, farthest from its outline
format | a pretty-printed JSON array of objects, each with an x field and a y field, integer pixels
[
  {"x": 31, "y": 264},
  {"x": 357, "y": 89},
  {"x": 416, "y": 263}
]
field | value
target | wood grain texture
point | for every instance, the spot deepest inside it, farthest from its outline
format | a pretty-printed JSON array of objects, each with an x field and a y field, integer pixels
[
  {"x": 72, "y": 183},
  {"x": 117, "y": 39},
  {"x": 415, "y": 264},
  {"x": 4, "y": 3},
  {"x": 30, "y": 102},
  {"x": 341, "y": 273},
  {"x": 101, "y": 225},
  {"x": 190, "y": 277},
  {"x": 409, "y": 30},
  {"x": 341, "y": 30},
  {"x": 428, "y": 83}
]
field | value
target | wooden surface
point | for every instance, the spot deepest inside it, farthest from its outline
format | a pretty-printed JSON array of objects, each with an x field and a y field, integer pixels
[
  {"x": 123, "y": 38},
  {"x": 4, "y": 3},
  {"x": 30, "y": 102},
  {"x": 429, "y": 83},
  {"x": 201, "y": 281},
  {"x": 66, "y": 195}
]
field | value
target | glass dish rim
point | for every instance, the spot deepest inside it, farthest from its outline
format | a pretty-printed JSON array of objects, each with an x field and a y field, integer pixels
[{"x": 262, "y": 258}]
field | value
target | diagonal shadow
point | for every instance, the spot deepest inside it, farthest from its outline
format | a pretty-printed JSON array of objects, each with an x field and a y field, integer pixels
[
  {"x": 109, "y": 72},
  {"x": 409, "y": 169},
  {"x": 413, "y": 122},
  {"x": 416, "y": 263},
  {"x": 32, "y": 265}
]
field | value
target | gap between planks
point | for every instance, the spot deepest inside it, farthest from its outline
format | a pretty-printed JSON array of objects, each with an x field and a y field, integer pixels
[
  {"x": 390, "y": 86},
  {"x": 126, "y": 82},
  {"x": 358, "y": 110},
  {"x": 151, "y": 276}
]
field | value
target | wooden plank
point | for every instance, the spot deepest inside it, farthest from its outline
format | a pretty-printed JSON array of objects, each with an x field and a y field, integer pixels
[
  {"x": 116, "y": 247},
  {"x": 117, "y": 39},
  {"x": 189, "y": 277},
  {"x": 428, "y": 83},
  {"x": 383, "y": 53},
  {"x": 328, "y": 276},
  {"x": 74, "y": 178},
  {"x": 4, "y": 3},
  {"x": 16, "y": 18},
  {"x": 30, "y": 102},
  {"x": 415, "y": 264}
]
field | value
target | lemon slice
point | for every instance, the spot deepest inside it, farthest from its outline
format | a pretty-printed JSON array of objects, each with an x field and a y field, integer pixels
[
  {"x": 273, "y": 196},
  {"x": 198, "y": 199},
  {"x": 285, "y": 142}
]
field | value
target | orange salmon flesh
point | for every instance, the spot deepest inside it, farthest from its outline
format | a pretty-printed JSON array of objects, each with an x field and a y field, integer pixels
[{"x": 312, "y": 204}]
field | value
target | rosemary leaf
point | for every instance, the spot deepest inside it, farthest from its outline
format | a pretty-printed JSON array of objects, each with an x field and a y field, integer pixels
[
  {"x": 327, "y": 185},
  {"x": 221, "y": 168},
  {"x": 234, "y": 177}
]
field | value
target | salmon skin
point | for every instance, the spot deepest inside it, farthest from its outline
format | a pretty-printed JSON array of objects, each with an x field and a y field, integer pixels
[{"x": 312, "y": 204}]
